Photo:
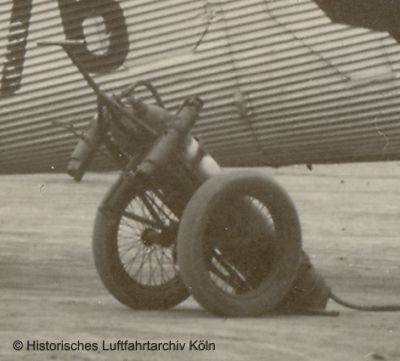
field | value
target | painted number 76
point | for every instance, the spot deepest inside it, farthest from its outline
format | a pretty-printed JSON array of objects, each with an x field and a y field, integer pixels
[{"x": 73, "y": 16}]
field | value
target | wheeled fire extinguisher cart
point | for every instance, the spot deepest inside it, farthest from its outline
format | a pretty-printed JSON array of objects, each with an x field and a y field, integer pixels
[{"x": 175, "y": 224}]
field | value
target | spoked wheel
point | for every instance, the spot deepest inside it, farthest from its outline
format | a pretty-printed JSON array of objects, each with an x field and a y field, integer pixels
[
  {"x": 134, "y": 246},
  {"x": 239, "y": 244}
]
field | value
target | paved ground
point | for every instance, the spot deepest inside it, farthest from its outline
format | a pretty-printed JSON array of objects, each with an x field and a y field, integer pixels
[{"x": 50, "y": 289}]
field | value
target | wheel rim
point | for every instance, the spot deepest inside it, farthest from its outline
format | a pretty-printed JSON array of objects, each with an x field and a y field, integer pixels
[{"x": 146, "y": 240}]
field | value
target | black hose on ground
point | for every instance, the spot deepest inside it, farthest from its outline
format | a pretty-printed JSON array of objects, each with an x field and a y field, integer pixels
[
  {"x": 310, "y": 294},
  {"x": 359, "y": 307}
]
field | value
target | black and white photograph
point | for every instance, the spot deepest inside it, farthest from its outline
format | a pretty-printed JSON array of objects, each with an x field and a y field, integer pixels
[{"x": 199, "y": 180}]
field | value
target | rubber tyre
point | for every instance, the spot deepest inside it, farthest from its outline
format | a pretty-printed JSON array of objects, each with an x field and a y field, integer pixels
[
  {"x": 209, "y": 198},
  {"x": 112, "y": 273}
]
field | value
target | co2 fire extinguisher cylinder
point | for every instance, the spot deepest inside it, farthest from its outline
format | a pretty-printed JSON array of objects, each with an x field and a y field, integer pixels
[
  {"x": 200, "y": 161},
  {"x": 84, "y": 151}
]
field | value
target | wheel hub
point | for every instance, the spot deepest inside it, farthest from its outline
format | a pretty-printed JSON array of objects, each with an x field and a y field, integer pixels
[{"x": 163, "y": 238}]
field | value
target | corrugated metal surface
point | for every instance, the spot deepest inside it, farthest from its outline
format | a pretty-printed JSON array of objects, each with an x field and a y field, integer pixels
[{"x": 282, "y": 84}]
